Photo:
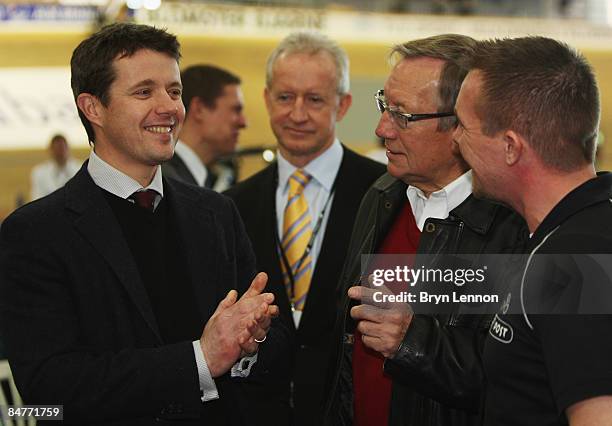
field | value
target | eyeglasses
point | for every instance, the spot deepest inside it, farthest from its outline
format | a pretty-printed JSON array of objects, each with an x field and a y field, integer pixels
[{"x": 402, "y": 118}]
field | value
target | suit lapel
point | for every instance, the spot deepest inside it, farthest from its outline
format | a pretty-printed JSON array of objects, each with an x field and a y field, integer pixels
[
  {"x": 96, "y": 222},
  {"x": 264, "y": 236},
  {"x": 197, "y": 234},
  {"x": 182, "y": 170}
]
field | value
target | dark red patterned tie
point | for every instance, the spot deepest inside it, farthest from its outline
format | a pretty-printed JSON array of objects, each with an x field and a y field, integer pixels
[{"x": 145, "y": 199}]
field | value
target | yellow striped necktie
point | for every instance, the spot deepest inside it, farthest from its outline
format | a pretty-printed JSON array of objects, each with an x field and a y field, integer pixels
[{"x": 297, "y": 231}]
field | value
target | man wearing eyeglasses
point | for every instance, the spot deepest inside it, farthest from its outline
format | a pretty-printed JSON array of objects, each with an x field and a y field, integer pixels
[{"x": 395, "y": 367}]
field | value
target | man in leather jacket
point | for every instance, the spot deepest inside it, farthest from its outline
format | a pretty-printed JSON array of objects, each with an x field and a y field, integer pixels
[{"x": 394, "y": 367}]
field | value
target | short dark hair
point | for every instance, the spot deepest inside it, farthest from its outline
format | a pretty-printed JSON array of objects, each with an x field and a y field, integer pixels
[
  {"x": 57, "y": 137},
  {"x": 454, "y": 49},
  {"x": 91, "y": 65},
  {"x": 544, "y": 90},
  {"x": 205, "y": 82}
]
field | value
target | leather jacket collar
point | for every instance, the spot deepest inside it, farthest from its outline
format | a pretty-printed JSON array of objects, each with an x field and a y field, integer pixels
[{"x": 477, "y": 214}]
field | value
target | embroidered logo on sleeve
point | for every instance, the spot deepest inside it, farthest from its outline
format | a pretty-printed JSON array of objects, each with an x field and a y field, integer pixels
[{"x": 501, "y": 330}]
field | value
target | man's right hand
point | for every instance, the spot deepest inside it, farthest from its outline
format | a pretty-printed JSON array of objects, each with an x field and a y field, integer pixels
[
  {"x": 235, "y": 323},
  {"x": 382, "y": 325}
]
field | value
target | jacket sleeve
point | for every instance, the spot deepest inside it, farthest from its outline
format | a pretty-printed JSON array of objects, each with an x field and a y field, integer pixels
[{"x": 442, "y": 361}]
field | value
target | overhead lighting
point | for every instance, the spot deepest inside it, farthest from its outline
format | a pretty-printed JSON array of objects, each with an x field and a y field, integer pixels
[
  {"x": 151, "y": 4},
  {"x": 134, "y": 4},
  {"x": 268, "y": 155}
]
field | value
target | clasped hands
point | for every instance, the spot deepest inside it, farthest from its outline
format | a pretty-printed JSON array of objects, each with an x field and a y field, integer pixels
[
  {"x": 382, "y": 325},
  {"x": 231, "y": 331}
]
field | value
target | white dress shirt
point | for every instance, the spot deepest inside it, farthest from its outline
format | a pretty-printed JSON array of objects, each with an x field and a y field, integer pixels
[
  {"x": 440, "y": 203},
  {"x": 192, "y": 161},
  {"x": 49, "y": 176},
  {"x": 118, "y": 183},
  {"x": 323, "y": 170},
  {"x": 199, "y": 171}
]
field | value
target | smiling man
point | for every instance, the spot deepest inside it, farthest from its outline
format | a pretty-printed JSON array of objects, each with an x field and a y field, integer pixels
[
  {"x": 394, "y": 367},
  {"x": 299, "y": 210},
  {"x": 119, "y": 296}
]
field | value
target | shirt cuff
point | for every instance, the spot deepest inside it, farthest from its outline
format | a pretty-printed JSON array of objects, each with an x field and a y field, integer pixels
[
  {"x": 207, "y": 384},
  {"x": 243, "y": 367}
]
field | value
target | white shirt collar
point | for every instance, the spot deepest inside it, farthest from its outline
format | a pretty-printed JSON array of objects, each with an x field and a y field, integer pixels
[
  {"x": 192, "y": 161},
  {"x": 323, "y": 169},
  {"x": 118, "y": 183},
  {"x": 440, "y": 203}
]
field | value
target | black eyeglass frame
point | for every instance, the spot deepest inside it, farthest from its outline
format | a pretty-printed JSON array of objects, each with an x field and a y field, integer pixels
[{"x": 382, "y": 106}]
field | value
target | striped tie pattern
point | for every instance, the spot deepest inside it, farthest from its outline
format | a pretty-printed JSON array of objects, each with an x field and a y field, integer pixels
[{"x": 297, "y": 231}]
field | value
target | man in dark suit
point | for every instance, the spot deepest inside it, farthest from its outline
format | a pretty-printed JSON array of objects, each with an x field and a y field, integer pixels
[
  {"x": 214, "y": 118},
  {"x": 302, "y": 249},
  {"x": 107, "y": 283}
]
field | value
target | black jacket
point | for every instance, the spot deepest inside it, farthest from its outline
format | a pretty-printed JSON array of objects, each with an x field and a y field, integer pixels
[
  {"x": 79, "y": 327},
  {"x": 176, "y": 168},
  {"x": 437, "y": 373},
  {"x": 255, "y": 199}
]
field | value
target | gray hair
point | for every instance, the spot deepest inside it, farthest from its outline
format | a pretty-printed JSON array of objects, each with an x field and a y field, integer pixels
[{"x": 312, "y": 43}]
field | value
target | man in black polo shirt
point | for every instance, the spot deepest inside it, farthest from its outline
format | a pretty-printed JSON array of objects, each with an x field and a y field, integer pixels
[{"x": 528, "y": 116}]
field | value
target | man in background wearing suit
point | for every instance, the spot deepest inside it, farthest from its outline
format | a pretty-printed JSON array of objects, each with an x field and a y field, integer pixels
[
  {"x": 299, "y": 211},
  {"x": 107, "y": 283},
  {"x": 213, "y": 120}
]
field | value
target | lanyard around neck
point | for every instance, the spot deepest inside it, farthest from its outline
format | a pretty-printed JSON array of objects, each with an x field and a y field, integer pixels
[{"x": 310, "y": 244}]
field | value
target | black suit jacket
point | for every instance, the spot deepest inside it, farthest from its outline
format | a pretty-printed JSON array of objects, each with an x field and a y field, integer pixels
[
  {"x": 255, "y": 199},
  {"x": 78, "y": 325},
  {"x": 177, "y": 169}
]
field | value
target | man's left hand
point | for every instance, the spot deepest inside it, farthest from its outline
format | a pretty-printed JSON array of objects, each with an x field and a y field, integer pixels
[{"x": 256, "y": 329}]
